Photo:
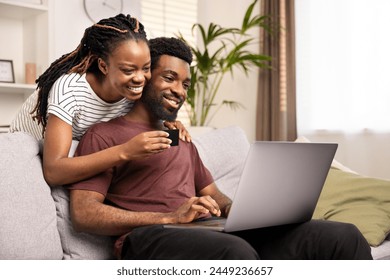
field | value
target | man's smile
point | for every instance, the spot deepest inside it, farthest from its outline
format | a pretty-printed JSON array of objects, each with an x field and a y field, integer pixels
[{"x": 172, "y": 100}]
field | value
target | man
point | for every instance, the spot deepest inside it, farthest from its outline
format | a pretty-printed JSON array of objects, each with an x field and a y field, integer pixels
[{"x": 133, "y": 200}]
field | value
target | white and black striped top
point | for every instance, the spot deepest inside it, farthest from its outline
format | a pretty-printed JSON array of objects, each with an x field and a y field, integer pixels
[{"x": 73, "y": 101}]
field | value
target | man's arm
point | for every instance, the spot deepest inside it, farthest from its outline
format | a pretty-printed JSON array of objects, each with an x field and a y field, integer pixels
[
  {"x": 90, "y": 214},
  {"x": 223, "y": 202}
]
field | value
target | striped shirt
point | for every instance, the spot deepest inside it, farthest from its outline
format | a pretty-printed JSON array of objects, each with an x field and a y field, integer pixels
[
  {"x": 24, "y": 121},
  {"x": 72, "y": 100}
]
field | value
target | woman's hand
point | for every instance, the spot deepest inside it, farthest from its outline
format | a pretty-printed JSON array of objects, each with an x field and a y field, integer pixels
[
  {"x": 145, "y": 144},
  {"x": 183, "y": 133}
]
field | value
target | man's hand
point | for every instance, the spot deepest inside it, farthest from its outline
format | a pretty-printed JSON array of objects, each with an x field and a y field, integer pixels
[
  {"x": 145, "y": 144},
  {"x": 194, "y": 208},
  {"x": 183, "y": 133}
]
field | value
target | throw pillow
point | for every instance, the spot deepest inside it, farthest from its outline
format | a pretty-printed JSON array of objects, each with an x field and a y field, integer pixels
[
  {"x": 335, "y": 163},
  {"x": 78, "y": 245},
  {"x": 362, "y": 201},
  {"x": 27, "y": 212}
]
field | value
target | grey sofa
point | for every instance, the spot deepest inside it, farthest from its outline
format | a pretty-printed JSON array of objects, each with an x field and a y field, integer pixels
[{"x": 35, "y": 218}]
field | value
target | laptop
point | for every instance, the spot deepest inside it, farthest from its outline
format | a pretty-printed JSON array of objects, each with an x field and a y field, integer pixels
[{"x": 280, "y": 184}]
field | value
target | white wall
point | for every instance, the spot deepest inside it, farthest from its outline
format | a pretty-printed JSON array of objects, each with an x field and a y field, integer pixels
[
  {"x": 70, "y": 20},
  {"x": 242, "y": 89}
]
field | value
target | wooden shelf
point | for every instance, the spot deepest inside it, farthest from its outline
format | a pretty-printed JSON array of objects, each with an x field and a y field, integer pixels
[
  {"x": 25, "y": 30},
  {"x": 14, "y": 88},
  {"x": 20, "y": 10}
]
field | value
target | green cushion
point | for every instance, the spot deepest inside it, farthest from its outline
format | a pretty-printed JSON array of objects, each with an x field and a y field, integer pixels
[{"x": 362, "y": 201}]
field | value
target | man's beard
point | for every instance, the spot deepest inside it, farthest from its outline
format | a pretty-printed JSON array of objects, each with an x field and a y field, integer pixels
[{"x": 154, "y": 101}]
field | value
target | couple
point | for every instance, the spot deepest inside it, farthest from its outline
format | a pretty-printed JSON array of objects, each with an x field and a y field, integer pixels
[
  {"x": 128, "y": 186},
  {"x": 133, "y": 199}
]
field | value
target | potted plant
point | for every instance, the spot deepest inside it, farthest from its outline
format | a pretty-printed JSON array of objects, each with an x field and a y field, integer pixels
[{"x": 222, "y": 50}]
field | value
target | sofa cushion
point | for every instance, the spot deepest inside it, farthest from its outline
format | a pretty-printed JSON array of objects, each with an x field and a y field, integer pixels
[
  {"x": 362, "y": 201},
  {"x": 223, "y": 151},
  {"x": 78, "y": 245},
  {"x": 381, "y": 252},
  {"x": 27, "y": 212}
]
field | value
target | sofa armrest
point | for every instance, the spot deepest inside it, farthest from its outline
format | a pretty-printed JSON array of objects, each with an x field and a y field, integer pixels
[{"x": 27, "y": 212}]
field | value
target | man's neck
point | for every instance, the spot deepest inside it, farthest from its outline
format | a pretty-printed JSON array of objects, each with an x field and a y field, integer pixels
[{"x": 141, "y": 114}]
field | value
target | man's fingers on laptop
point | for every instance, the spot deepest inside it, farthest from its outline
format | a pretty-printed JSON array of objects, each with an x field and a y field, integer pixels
[
  {"x": 209, "y": 203},
  {"x": 199, "y": 208},
  {"x": 189, "y": 211}
]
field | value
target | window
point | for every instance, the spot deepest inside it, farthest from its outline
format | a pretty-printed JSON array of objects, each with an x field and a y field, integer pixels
[
  {"x": 168, "y": 18},
  {"x": 343, "y": 63}
]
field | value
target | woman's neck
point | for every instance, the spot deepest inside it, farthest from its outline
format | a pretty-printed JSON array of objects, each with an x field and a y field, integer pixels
[
  {"x": 139, "y": 113},
  {"x": 99, "y": 88}
]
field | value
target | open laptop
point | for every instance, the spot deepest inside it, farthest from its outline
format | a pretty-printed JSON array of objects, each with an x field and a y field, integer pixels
[{"x": 280, "y": 184}]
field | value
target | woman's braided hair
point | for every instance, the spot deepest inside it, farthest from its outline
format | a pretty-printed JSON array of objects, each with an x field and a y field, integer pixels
[{"x": 99, "y": 41}]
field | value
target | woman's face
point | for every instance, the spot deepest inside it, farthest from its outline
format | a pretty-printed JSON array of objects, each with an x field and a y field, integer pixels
[{"x": 126, "y": 71}]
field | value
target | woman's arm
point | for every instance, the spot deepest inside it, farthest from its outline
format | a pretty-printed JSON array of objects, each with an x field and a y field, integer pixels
[{"x": 59, "y": 169}]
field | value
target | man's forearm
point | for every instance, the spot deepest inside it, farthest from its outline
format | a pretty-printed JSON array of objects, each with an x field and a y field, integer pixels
[{"x": 89, "y": 214}]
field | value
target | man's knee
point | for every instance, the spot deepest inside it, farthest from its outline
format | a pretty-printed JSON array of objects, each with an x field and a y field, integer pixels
[
  {"x": 344, "y": 232},
  {"x": 222, "y": 246},
  {"x": 237, "y": 248},
  {"x": 348, "y": 242}
]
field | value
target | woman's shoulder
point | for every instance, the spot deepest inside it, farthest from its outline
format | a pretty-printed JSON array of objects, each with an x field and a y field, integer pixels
[
  {"x": 69, "y": 85},
  {"x": 73, "y": 79}
]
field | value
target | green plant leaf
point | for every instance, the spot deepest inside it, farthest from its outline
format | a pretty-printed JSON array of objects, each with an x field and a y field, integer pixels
[
  {"x": 246, "y": 22},
  {"x": 234, "y": 105},
  {"x": 221, "y": 50}
]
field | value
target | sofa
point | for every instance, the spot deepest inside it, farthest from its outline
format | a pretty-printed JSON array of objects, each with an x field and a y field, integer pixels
[{"x": 36, "y": 222}]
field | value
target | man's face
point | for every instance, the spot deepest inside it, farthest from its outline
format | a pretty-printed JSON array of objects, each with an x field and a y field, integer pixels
[{"x": 166, "y": 91}]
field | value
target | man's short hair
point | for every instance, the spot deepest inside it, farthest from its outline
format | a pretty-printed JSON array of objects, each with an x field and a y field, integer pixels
[{"x": 169, "y": 46}]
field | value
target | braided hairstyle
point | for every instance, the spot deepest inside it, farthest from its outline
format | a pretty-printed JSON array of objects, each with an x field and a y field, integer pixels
[
  {"x": 168, "y": 46},
  {"x": 99, "y": 41}
]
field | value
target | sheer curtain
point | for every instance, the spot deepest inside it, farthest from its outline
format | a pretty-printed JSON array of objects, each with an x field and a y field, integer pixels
[
  {"x": 343, "y": 85},
  {"x": 276, "y": 107}
]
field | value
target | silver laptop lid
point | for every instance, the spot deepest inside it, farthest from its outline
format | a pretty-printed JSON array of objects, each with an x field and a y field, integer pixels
[{"x": 280, "y": 184}]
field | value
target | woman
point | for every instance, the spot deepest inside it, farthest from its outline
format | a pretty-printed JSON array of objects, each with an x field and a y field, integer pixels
[{"x": 96, "y": 82}]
